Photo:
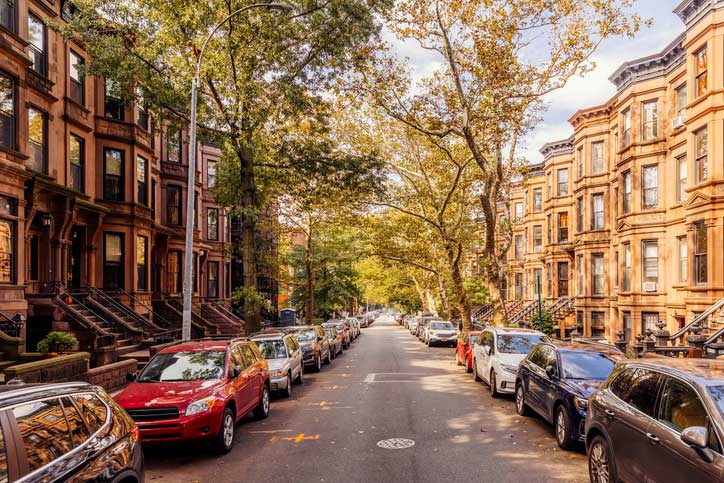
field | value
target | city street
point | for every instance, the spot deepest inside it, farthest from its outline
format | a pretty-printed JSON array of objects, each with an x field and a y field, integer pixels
[{"x": 388, "y": 385}]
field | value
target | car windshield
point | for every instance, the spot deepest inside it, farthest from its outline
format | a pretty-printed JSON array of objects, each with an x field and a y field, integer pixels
[
  {"x": 272, "y": 349},
  {"x": 717, "y": 393},
  {"x": 306, "y": 335},
  {"x": 586, "y": 365},
  {"x": 184, "y": 366},
  {"x": 474, "y": 339},
  {"x": 441, "y": 326},
  {"x": 518, "y": 343}
]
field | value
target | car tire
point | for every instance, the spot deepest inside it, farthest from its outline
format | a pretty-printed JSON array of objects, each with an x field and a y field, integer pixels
[
  {"x": 261, "y": 411},
  {"x": 332, "y": 353},
  {"x": 225, "y": 439},
  {"x": 468, "y": 369},
  {"x": 476, "y": 378},
  {"x": 328, "y": 359},
  {"x": 318, "y": 363},
  {"x": 601, "y": 468},
  {"x": 563, "y": 429},
  {"x": 429, "y": 343},
  {"x": 493, "y": 384},
  {"x": 300, "y": 377},
  {"x": 520, "y": 406},
  {"x": 288, "y": 390}
]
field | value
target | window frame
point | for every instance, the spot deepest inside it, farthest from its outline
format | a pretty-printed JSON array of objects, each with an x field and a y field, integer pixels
[
  {"x": 120, "y": 266},
  {"x": 701, "y": 160},
  {"x": 598, "y": 164},
  {"x": 12, "y": 25},
  {"x": 681, "y": 182},
  {"x": 178, "y": 206},
  {"x": 80, "y": 167},
  {"x": 142, "y": 269},
  {"x": 38, "y": 53},
  {"x": 701, "y": 72},
  {"x": 13, "y": 119},
  {"x": 561, "y": 239},
  {"x": 598, "y": 280},
  {"x": 626, "y": 267},
  {"x": 77, "y": 86},
  {"x": 209, "y": 224},
  {"x": 681, "y": 106},
  {"x": 537, "y": 238},
  {"x": 113, "y": 106},
  {"x": 683, "y": 258},
  {"x": 121, "y": 196},
  {"x": 43, "y": 148},
  {"x": 645, "y": 205},
  {"x": 142, "y": 186},
  {"x": 598, "y": 218},
  {"x": 626, "y": 127},
  {"x": 645, "y": 278},
  {"x": 699, "y": 255},
  {"x": 209, "y": 264},
  {"x": 626, "y": 192},
  {"x": 653, "y": 123},
  {"x": 537, "y": 200},
  {"x": 562, "y": 186},
  {"x": 579, "y": 214},
  {"x": 10, "y": 216}
]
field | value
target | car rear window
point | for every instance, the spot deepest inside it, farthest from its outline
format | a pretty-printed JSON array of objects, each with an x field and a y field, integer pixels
[
  {"x": 44, "y": 430},
  {"x": 518, "y": 343},
  {"x": 184, "y": 366},
  {"x": 272, "y": 349},
  {"x": 586, "y": 365}
]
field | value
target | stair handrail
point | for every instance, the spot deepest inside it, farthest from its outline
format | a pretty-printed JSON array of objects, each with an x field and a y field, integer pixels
[
  {"x": 196, "y": 315},
  {"x": 132, "y": 312},
  {"x": 88, "y": 324},
  {"x": 702, "y": 316}
]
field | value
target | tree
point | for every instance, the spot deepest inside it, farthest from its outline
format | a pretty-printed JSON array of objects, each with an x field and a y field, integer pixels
[
  {"x": 261, "y": 74},
  {"x": 498, "y": 59},
  {"x": 390, "y": 284}
]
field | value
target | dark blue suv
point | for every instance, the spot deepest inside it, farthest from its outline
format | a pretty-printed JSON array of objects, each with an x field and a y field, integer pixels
[{"x": 556, "y": 380}]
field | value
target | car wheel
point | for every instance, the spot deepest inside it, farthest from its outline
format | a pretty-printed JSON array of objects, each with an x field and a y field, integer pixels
[
  {"x": 600, "y": 464},
  {"x": 493, "y": 384},
  {"x": 520, "y": 406},
  {"x": 225, "y": 439},
  {"x": 261, "y": 411},
  {"x": 564, "y": 429},
  {"x": 288, "y": 391},
  {"x": 468, "y": 367},
  {"x": 332, "y": 353},
  {"x": 318, "y": 363},
  {"x": 476, "y": 378},
  {"x": 300, "y": 377},
  {"x": 328, "y": 359},
  {"x": 429, "y": 343}
]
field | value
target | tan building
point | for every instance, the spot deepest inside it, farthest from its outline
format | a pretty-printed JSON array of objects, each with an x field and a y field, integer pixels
[{"x": 634, "y": 200}]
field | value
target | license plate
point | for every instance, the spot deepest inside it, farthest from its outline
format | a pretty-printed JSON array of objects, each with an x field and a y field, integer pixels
[{"x": 443, "y": 340}]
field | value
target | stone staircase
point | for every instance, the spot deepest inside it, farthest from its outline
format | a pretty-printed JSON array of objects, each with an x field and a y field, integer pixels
[
  {"x": 227, "y": 326},
  {"x": 171, "y": 310}
]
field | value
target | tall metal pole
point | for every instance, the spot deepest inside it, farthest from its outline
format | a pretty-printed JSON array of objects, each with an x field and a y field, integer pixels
[{"x": 191, "y": 189}]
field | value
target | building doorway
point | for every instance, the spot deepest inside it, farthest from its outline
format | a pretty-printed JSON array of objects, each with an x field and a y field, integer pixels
[{"x": 75, "y": 251}]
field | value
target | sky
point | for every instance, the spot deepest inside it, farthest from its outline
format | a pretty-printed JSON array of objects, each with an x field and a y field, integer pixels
[{"x": 581, "y": 92}]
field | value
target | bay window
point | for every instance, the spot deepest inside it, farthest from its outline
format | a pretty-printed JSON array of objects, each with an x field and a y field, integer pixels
[
  {"x": 597, "y": 158},
  {"x": 701, "y": 66},
  {"x": 597, "y": 274},
  {"x": 597, "y": 221},
  {"x": 649, "y": 120},
  {"x": 701, "y": 160},
  {"x": 650, "y": 179},
  {"x": 700, "y": 253},
  {"x": 113, "y": 174},
  {"x": 650, "y": 268}
]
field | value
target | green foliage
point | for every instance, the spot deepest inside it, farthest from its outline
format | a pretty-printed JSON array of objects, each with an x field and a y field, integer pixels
[
  {"x": 57, "y": 342},
  {"x": 388, "y": 284},
  {"x": 543, "y": 322},
  {"x": 251, "y": 296},
  {"x": 478, "y": 293}
]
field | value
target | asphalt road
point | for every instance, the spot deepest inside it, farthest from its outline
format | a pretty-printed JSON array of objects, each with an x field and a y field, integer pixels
[{"x": 388, "y": 385}]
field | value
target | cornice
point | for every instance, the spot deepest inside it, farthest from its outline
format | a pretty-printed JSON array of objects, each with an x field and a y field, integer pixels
[
  {"x": 652, "y": 66},
  {"x": 557, "y": 148},
  {"x": 692, "y": 11}
]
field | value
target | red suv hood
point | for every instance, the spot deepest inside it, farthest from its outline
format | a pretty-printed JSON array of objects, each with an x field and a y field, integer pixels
[{"x": 160, "y": 394}]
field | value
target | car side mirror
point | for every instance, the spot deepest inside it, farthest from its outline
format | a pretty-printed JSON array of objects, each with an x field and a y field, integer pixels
[
  {"x": 131, "y": 376},
  {"x": 698, "y": 438},
  {"x": 551, "y": 372}
]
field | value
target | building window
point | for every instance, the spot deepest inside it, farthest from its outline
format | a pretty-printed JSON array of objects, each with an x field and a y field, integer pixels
[
  {"x": 37, "y": 140},
  {"x": 537, "y": 282},
  {"x": 701, "y": 64},
  {"x": 525, "y": 203},
  {"x": 7, "y": 111},
  {"x": 38, "y": 45},
  {"x": 650, "y": 269},
  {"x": 112, "y": 174},
  {"x": 650, "y": 178},
  {"x": 77, "y": 161},
  {"x": 537, "y": 238},
  {"x": 212, "y": 279},
  {"x": 212, "y": 224},
  {"x": 141, "y": 173},
  {"x": 597, "y": 274},
  {"x": 597, "y": 162},
  {"x": 562, "y": 227},
  {"x": 701, "y": 160},
  {"x": 549, "y": 185},
  {"x": 174, "y": 271},
  {"x": 113, "y": 100},
  {"x": 598, "y": 321},
  {"x": 7, "y": 15},
  {"x": 683, "y": 259},
  {"x": 649, "y": 321},
  {"x": 626, "y": 194},
  {"x": 141, "y": 262},
  {"x": 113, "y": 261},
  {"x": 77, "y": 80},
  {"x": 615, "y": 268},
  {"x": 518, "y": 247},
  {"x": 581, "y": 275},
  {"x": 626, "y": 127},
  {"x": 8, "y": 239},
  {"x": 195, "y": 272},
  {"x": 153, "y": 198},
  {"x": 681, "y": 101},
  {"x": 549, "y": 229},
  {"x": 626, "y": 269},
  {"x": 627, "y": 326},
  {"x": 141, "y": 110},
  {"x": 563, "y": 182},
  {"x": 579, "y": 214},
  {"x": 537, "y": 199},
  {"x": 173, "y": 145},
  {"x": 196, "y": 210},
  {"x": 579, "y": 161},
  {"x": 549, "y": 281},
  {"x": 597, "y": 221},
  {"x": 700, "y": 253},
  {"x": 518, "y": 217},
  {"x": 682, "y": 176},
  {"x": 649, "y": 120},
  {"x": 210, "y": 174},
  {"x": 173, "y": 205},
  {"x": 518, "y": 286}
]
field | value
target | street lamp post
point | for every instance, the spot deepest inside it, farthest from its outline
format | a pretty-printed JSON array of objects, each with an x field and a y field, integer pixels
[{"x": 188, "y": 254}]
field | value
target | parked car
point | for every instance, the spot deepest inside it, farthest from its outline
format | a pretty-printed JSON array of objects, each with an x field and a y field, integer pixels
[
  {"x": 315, "y": 345},
  {"x": 497, "y": 354},
  {"x": 441, "y": 332},
  {"x": 557, "y": 379},
  {"x": 284, "y": 356},
  {"x": 413, "y": 326},
  {"x": 424, "y": 336},
  {"x": 341, "y": 330},
  {"x": 364, "y": 321},
  {"x": 354, "y": 326},
  {"x": 335, "y": 340},
  {"x": 344, "y": 326},
  {"x": 464, "y": 349},
  {"x": 198, "y": 390},
  {"x": 97, "y": 440},
  {"x": 658, "y": 419}
]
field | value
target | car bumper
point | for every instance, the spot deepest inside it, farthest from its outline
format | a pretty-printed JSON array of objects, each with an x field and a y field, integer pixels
[
  {"x": 309, "y": 359},
  {"x": 279, "y": 383},
  {"x": 452, "y": 341},
  {"x": 505, "y": 381},
  {"x": 199, "y": 426}
]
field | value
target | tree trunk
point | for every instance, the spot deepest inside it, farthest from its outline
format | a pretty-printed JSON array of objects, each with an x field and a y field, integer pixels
[
  {"x": 463, "y": 306},
  {"x": 309, "y": 290},
  {"x": 446, "y": 311},
  {"x": 248, "y": 239}
]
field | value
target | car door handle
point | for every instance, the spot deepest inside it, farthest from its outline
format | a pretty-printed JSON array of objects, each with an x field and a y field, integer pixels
[
  {"x": 653, "y": 437},
  {"x": 609, "y": 413}
]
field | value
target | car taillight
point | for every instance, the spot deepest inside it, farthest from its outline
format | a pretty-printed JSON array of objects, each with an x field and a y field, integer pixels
[{"x": 135, "y": 432}]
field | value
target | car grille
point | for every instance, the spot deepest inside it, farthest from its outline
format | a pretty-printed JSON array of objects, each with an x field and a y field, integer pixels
[{"x": 153, "y": 414}]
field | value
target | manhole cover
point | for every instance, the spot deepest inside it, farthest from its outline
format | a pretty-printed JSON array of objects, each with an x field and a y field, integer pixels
[{"x": 396, "y": 443}]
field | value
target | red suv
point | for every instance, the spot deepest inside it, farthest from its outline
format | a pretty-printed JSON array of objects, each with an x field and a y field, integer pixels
[{"x": 198, "y": 390}]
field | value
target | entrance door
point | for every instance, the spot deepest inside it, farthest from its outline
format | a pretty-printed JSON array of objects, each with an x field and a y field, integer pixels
[
  {"x": 563, "y": 279},
  {"x": 77, "y": 235}
]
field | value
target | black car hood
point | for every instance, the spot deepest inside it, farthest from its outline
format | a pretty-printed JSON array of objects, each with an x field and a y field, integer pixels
[{"x": 584, "y": 387}]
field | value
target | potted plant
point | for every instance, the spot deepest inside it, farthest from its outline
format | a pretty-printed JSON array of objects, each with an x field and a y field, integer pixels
[{"x": 57, "y": 342}]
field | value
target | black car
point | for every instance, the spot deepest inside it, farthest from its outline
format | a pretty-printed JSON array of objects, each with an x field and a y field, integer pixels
[
  {"x": 315, "y": 345},
  {"x": 56, "y": 432},
  {"x": 556, "y": 380}
]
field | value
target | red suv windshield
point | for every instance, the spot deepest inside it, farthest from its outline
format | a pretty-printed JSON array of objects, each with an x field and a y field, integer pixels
[{"x": 184, "y": 366}]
